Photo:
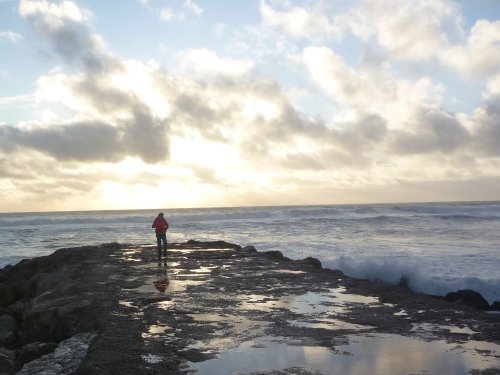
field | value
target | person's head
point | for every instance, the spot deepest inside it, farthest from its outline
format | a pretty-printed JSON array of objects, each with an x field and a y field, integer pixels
[{"x": 160, "y": 214}]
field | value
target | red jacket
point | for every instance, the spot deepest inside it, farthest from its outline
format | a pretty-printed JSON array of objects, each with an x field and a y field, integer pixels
[{"x": 160, "y": 225}]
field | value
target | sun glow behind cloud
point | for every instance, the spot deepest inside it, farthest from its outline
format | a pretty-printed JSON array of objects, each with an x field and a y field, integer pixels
[{"x": 310, "y": 102}]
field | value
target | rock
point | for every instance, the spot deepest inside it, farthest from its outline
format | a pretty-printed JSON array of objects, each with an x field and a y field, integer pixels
[
  {"x": 24, "y": 289},
  {"x": 7, "y": 362},
  {"x": 34, "y": 350},
  {"x": 6, "y": 295},
  {"x": 213, "y": 244},
  {"x": 46, "y": 281},
  {"x": 110, "y": 245},
  {"x": 468, "y": 297},
  {"x": 495, "y": 306},
  {"x": 275, "y": 254},
  {"x": 8, "y": 329},
  {"x": 250, "y": 249},
  {"x": 52, "y": 319},
  {"x": 404, "y": 282},
  {"x": 313, "y": 262},
  {"x": 65, "y": 359},
  {"x": 227, "y": 296},
  {"x": 17, "y": 308}
]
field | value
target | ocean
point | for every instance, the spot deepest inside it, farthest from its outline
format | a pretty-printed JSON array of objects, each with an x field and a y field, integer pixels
[{"x": 437, "y": 247}]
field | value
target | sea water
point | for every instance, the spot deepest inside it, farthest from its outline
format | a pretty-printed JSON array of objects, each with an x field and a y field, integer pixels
[{"x": 436, "y": 247}]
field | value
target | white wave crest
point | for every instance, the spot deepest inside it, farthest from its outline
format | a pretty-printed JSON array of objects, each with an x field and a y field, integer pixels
[{"x": 392, "y": 272}]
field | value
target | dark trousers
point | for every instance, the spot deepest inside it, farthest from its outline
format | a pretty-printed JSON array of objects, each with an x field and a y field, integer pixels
[{"x": 159, "y": 238}]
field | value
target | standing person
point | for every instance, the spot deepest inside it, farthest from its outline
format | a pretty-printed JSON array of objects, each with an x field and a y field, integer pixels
[{"x": 160, "y": 224}]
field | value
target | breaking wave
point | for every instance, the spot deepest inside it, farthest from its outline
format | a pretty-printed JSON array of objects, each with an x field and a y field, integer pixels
[{"x": 418, "y": 280}]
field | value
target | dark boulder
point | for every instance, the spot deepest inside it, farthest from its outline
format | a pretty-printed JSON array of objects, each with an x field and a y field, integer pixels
[
  {"x": 277, "y": 255},
  {"x": 7, "y": 361},
  {"x": 213, "y": 244},
  {"x": 250, "y": 249},
  {"x": 8, "y": 329},
  {"x": 6, "y": 295},
  {"x": 495, "y": 306},
  {"x": 316, "y": 263},
  {"x": 47, "y": 281},
  {"x": 468, "y": 297},
  {"x": 34, "y": 350},
  {"x": 52, "y": 319}
]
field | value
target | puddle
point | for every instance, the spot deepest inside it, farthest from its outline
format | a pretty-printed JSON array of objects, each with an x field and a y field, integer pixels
[
  {"x": 152, "y": 359},
  {"x": 194, "y": 250},
  {"x": 261, "y": 302},
  {"x": 237, "y": 323},
  {"x": 216, "y": 345},
  {"x": 175, "y": 285},
  {"x": 374, "y": 354},
  {"x": 401, "y": 313},
  {"x": 334, "y": 301},
  {"x": 129, "y": 253},
  {"x": 128, "y": 304},
  {"x": 331, "y": 324},
  {"x": 203, "y": 269},
  {"x": 292, "y": 272},
  {"x": 465, "y": 330},
  {"x": 426, "y": 329},
  {"x": 165, "y": 305},
  {"x": 157, "y": 331},
  {"x": 208, "y": 317}
]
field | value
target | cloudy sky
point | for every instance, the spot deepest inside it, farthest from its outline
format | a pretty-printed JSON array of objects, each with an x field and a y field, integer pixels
[{"x": 199, "y": 103}]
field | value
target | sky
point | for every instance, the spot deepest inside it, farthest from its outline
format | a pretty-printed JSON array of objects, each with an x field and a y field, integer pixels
[{"x": 137, "y": 104}]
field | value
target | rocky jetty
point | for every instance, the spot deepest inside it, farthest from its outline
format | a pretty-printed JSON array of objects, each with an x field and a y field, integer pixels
[{"x": 228, "y": 309}]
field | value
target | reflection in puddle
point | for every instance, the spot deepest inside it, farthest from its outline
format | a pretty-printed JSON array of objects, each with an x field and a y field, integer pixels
[
  {"x": 331, "y": 324},
  {"x": 165, "y": 305},
  {"x": 229, "y": 332},
  {"x": 334, "y": 301},
  {"x": 426, "y": 329},
  {"x": 282, "y": 271},
  {"x": 374, "y": 354},
  {"x": 261, "y": 302},
  {"x": 208, "y": 317},
  {"x": 175, "y": 285},
  {"x": 152, "y": 359},
  {"x": 129, "y": 253},
  {"x": 203, "y": 269},
  {"x": 157, "y": 330},
  {"x": 194, "y": 250},
  {"x": 128, "y": 304},
  {"x": 401, "y": 313}
]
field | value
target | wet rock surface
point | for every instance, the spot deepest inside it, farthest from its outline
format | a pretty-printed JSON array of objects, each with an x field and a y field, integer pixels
[{"x": 226, "y": 309}]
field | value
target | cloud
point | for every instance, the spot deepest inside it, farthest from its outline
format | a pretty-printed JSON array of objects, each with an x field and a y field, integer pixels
[
  {"x": 433, "y": 130},
  {"x": 167, "y": 15},
  {"x": 486, "y": 124},
  {"x": 110, "y": 122},
  {"x": 193, "y": 7},
  {"x": 11, "y": 37},
  {"x": 216, "y": 123},
  {"x": 406, "y": 30},
  {"x": 65, "y": 27},
  {"x": 89, "y": 141},
  {"x": 477, "y": 55},
  {"x": 297, "y": 22},
  {"x": 205, "y": 64},
  {"x": 368, "y": 89}
]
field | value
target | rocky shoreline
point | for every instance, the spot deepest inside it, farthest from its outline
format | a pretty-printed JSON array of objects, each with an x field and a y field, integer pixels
[{"x": 228, "y": 309}]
